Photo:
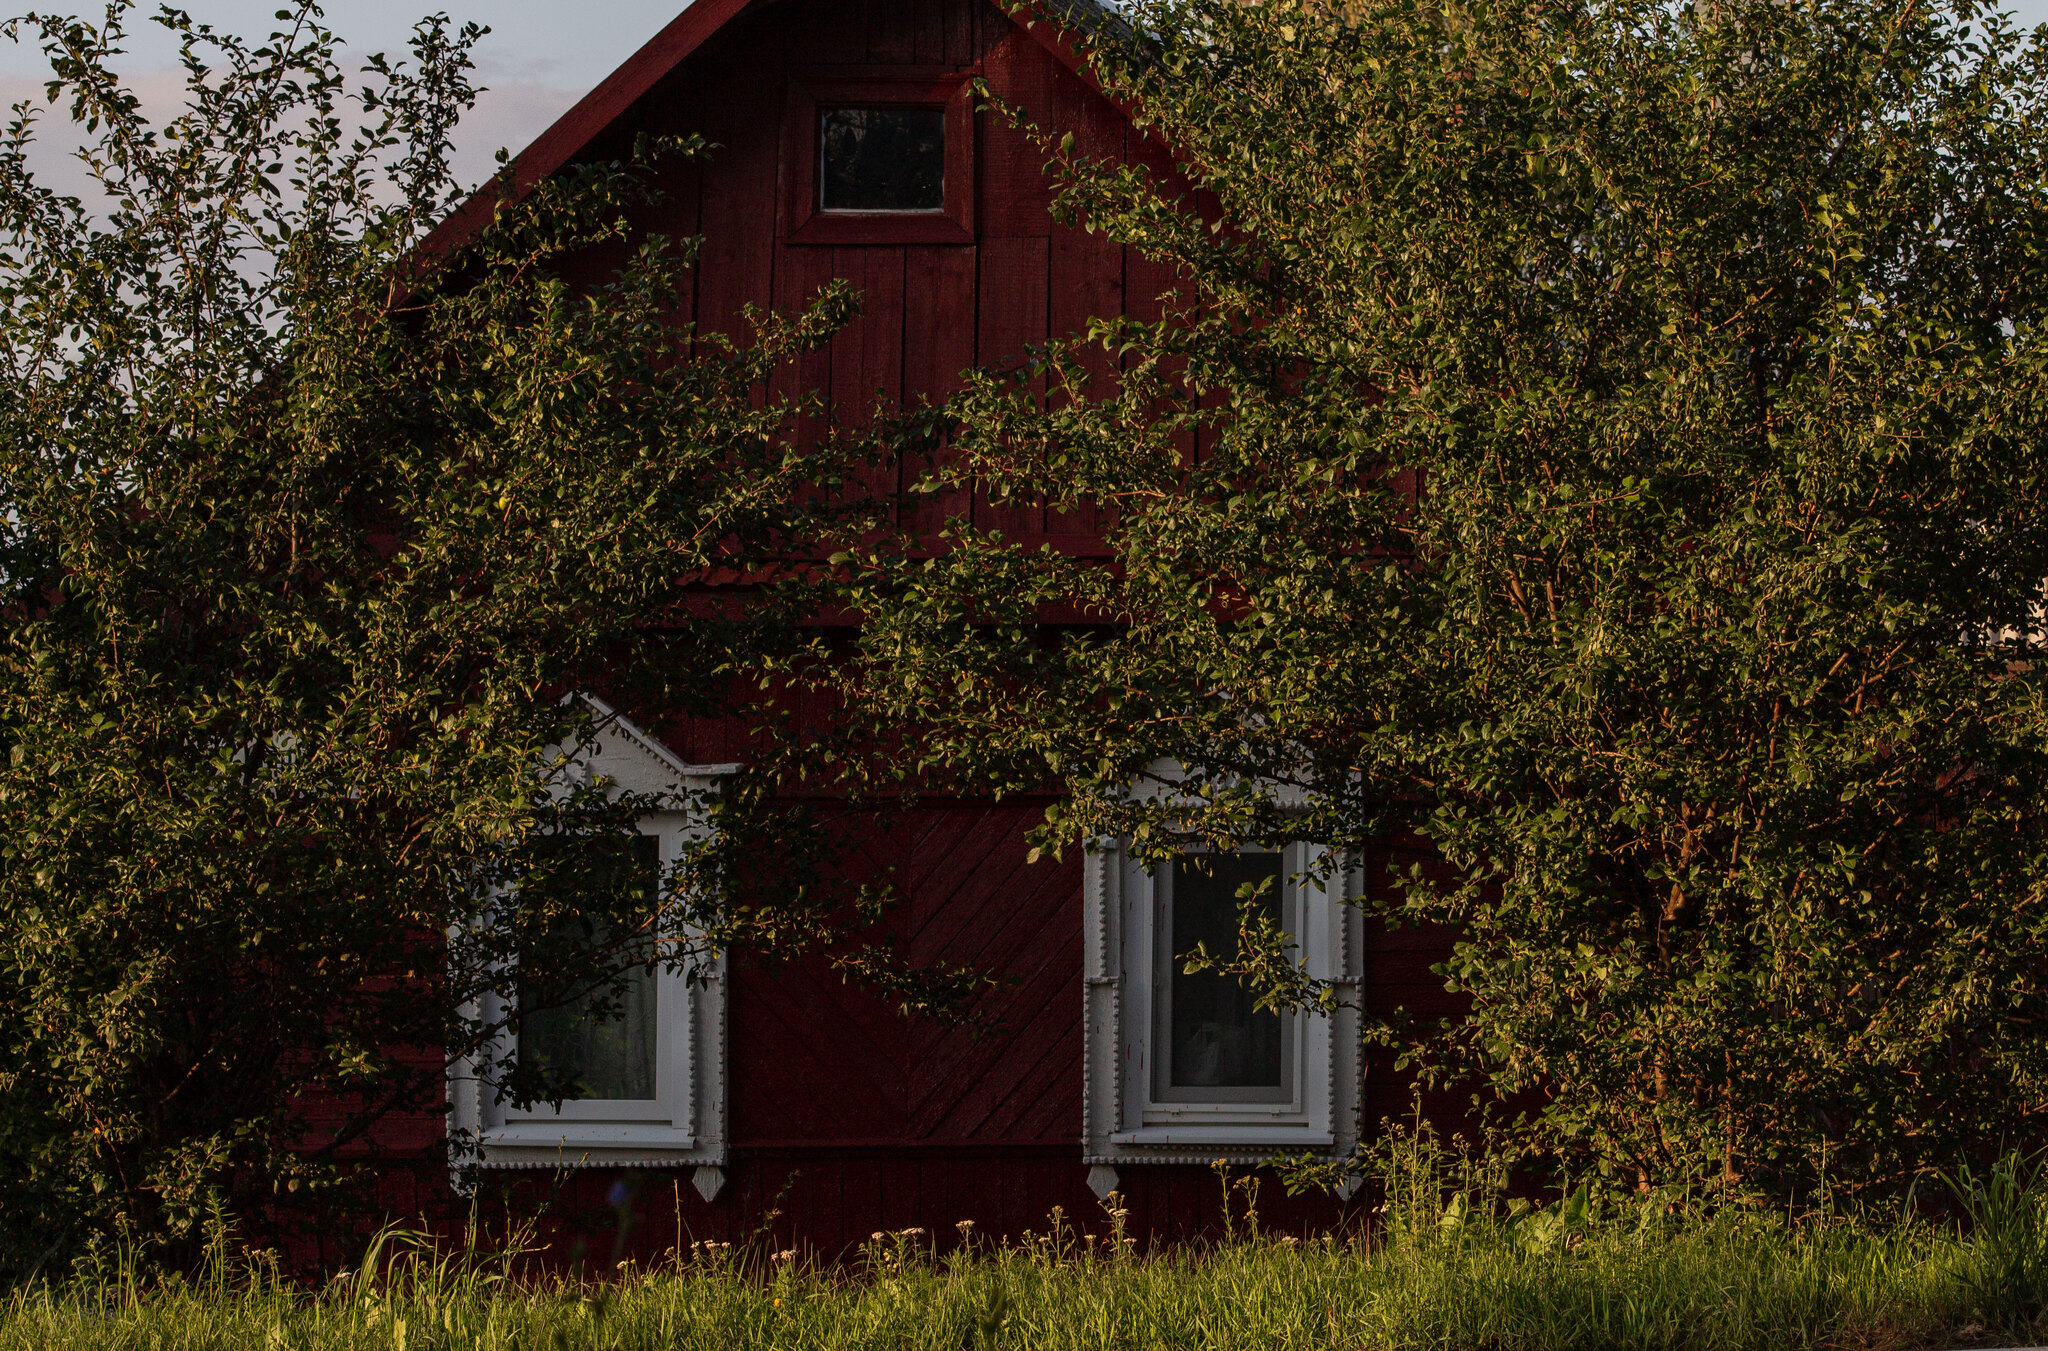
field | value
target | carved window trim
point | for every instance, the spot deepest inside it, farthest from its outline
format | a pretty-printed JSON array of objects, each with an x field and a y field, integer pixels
[
  {"x": 686, "y": 1122},
  {"x": 1123, "y": 1122}
]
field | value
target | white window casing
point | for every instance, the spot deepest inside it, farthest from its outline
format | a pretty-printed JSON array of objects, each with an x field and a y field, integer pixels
[
  {"x": 1127, "y": 1117},
  {"x": 684, "y": 1123}
]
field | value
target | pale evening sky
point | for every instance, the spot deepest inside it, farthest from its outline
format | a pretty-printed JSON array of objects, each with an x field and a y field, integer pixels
[{"x": 541, "y": 55}]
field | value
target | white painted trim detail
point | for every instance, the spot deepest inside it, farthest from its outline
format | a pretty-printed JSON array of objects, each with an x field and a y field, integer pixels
[
  {"x": 587, "y": 1134},
  {"x": 1277, "y": 1137},
  {"x": 686, "y": 1123},
  {"x": 1121, "y": 1121}
]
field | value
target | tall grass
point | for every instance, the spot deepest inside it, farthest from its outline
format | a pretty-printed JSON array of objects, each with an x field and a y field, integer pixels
[{"x": 1438, "y": 1272}]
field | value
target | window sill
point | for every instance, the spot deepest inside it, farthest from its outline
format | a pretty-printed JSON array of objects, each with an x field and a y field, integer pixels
[
  {"x": 570, "y": 1135},
  {"x": 1300, "y": 1136}
]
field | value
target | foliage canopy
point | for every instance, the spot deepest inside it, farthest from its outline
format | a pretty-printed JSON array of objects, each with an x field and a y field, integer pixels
[
  {"x": 309, "y": 532},
  {"x": 1595, "y": 451}
]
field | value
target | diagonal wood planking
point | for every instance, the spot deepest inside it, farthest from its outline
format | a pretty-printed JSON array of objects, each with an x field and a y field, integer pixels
[
  {"x": 815, "y": 1060},
  {"x": 1024, "y": 922}
]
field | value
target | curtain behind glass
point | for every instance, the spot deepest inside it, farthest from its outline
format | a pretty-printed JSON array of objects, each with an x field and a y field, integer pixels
[
  {"x": 613, "y": 1060},
  {"x": 1218, "y": 1039}
]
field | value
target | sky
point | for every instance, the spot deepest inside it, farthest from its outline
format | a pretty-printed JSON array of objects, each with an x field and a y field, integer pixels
[{"x": 540, "y": 57}]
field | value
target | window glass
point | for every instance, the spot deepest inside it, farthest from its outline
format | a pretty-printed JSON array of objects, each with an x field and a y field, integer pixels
[
  {"x": 882, "y": 159},
  {"x": 1216, "y": 1040},
  {"x": 612, "y": 1059}
]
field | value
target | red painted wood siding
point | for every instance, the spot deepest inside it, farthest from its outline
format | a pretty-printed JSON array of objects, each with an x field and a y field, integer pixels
[
  {"x": 828, "y": 1202},
  {"x": 813, "y": 1063},
  {"x": 929, "y": 311},
  {"x": 843, "y": 1116},
  {"x": 821, "y": 1076}
]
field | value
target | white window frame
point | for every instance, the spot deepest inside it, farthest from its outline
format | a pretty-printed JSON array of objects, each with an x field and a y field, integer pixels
[
  {"x": 1124, "y": 1119},
  {"x": 685, "y": 1123},
  {"x": 666, "y": 1120}
]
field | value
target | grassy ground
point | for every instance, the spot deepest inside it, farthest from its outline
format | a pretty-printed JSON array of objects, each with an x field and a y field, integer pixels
[{"x": 1574, "y": 1274}]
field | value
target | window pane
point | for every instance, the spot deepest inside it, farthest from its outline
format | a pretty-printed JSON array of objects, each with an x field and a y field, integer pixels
[
  {"x": 1218, "y": 1039},
  {"x": 613, "y": 1060},
  {"x": 882, "y": 159}
]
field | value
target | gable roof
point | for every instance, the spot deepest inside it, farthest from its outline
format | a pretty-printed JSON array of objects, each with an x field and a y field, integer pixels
[{"x": 574, "y": 130}]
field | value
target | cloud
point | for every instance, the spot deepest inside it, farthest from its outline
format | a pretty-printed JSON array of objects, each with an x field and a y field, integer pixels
[{"x": 53, "y": 157}]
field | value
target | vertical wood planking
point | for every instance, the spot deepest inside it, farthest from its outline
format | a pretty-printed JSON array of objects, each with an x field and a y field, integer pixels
[
  {"x": 799, "y": 273},
  {"x": 1011, "y": 315},
  {"x": 1146, "y": 280},
  {"x": 1086, "y": 277},
  {"x": 710, "y": 740},
  {"x": 867, "y": 355},
  {"x": 1015, "y": 194},
  {"x": 742, "y": 114},
  {"x": 1013, "y": 222},
  {"x": 938, "y": 344},
  {"x": 964, "y": 22},
  {"x": 892, "y": 32},
  {"x": 834, "y": 32},
  {"x": 672, "y": 109},
  {"x": 929, "y": 21}
]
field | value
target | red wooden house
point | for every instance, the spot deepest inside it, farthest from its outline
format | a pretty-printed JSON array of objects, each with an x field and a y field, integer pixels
[{"x": 850, "y": 148}]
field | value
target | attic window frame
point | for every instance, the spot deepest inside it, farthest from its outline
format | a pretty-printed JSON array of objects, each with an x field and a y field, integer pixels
[{"x": 812, "y": 94}]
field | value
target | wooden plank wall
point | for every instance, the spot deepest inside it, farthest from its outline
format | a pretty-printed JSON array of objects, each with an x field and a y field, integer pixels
[
  {"x": 972, "y": 900},
  {"x": 929, "y": 311},
  {"x": 845, "y": 1119},
  {"x": 886, "y": 1123},
  {"x": 827, "y": 1203}
]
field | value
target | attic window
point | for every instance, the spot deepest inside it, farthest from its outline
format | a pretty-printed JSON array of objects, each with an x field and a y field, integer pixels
[
  {"x": 882, "y": 160},
  {"x": 878, "y": 155}
]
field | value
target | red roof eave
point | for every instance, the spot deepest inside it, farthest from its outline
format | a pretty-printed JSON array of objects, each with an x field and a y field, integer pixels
[
  {"x": 612, "y": 99},
  {"x": 582, "y": 124}
]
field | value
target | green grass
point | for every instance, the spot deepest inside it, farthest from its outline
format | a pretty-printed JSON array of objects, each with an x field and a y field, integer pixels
[{"x": 1575, "y": 1274}]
